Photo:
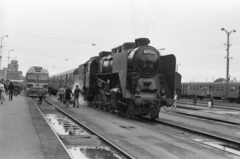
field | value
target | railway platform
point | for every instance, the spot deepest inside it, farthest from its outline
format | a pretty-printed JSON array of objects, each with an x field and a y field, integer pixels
[{"x": 24, "y": 133}]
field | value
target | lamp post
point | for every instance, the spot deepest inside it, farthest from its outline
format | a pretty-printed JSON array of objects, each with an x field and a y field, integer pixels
[
  {"x": 177, "y": 67},
  {"x": 1, "y": 46},
  {"x": 160, "y": 49},
  {"x": 9, "y": 54},
  {"x": 227, "y": 74}
]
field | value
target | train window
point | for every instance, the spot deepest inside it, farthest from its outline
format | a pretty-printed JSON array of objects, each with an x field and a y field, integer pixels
[
  {"x": 232, "y": 89},
  {"x": 188, "y": 87},
  {"x": 197, "y": 88},
  {"x": 193, "y": 87},
  {"x": 201, "y": 87},
  {"x": 217, "y": 88},
  {"x": 32, "y": 76},
  {"x": 213, "y": 88},
  {"x": 205, "y": 88},
  {"x": 222, "y": 88},
  {"x": 43, "y": 77}
]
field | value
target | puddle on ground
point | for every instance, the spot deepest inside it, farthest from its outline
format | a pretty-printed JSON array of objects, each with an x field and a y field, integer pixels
[
  {"x": 64, "y": 126},
  {"x": 93, "y": 153},
  {"x": 78, "y": 140},
  {"x": 222, "y": 146},
  {"x": 229, "y": 113}
]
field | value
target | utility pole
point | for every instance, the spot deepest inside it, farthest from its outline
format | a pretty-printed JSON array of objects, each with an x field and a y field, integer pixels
[
  {"x": 1, "y": 46},
  {"x": 227, "y": 58}
]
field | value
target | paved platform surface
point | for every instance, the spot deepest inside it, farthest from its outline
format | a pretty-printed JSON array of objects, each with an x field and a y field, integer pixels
[
  {"x": 18, "y": 136},
  {"x": 24, "y": 134}
]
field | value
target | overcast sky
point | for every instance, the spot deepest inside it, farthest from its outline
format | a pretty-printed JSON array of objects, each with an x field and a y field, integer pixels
[{"x": 46, "y": 32}]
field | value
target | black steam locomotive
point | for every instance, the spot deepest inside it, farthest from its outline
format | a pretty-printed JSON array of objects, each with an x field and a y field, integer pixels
[{"x": 132, "y": 79}]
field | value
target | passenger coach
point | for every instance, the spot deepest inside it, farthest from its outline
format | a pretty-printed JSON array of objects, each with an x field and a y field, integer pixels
[
  {"x": 217, "y": 88},
  {"x": 36, "y": 80},
  {"x": 63, "y": 79}
]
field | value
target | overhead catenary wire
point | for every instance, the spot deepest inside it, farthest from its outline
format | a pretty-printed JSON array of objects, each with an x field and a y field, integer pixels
[
  {"x": 55, "y": 57},
  {"x": 59, "y": 38}
]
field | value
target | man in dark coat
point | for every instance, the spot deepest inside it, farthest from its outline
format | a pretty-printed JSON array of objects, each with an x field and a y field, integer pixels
[
  {"x": 68, "y": 93},
  {"x": 11, "y": 89},
  {"x": 194, "y": 98},
  {"x": 211, "y": 100},
  {"x": 77, "y": 91}
]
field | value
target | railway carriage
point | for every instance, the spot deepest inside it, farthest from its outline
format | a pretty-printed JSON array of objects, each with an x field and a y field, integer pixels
[
  {"x": 217, "y": 88},
  {"x": 36, "y": 80},
  {"x": 61, "y": 80}
]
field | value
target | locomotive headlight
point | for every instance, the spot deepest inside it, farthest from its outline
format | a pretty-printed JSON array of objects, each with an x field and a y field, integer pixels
[{"x": 138, "y": 90}]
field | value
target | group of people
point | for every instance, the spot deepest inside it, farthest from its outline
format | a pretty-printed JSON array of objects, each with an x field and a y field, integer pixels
[
  {"x": 175, "y": 97},
  {"x": 210, "y": 98},
  {"x": 66, "y": 96},
  {"x": 162, "y": 96},
  {"x": 7, "y": 88}
]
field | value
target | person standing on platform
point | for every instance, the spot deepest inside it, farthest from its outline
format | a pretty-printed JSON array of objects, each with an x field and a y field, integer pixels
[
  {"x": 161, "y": 95},
  {"x": 15, "y": 89},
  {"x": 11, "y": 89},
  {"x": 211, "y": 100},
  {"x": 61, "y": 92},
  {"x": 195, "y": 98},
  {"x": 49, "y": 90},
  {"x": 1, "y": 91},
  {"x": 77, "y": 91},
  {"x": 68, "y": 93},
  {"x": 40, "y": 96},
  {"x": 174, "y": 100}
]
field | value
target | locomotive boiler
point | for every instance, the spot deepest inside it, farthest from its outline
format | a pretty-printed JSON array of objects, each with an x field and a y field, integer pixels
[{"x": 132, "y": 79}]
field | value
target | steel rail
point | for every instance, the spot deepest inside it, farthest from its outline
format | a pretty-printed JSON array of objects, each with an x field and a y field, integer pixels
[
  {"x": 205, "y": 133},
  {"x": 215, "y": 105},
  {"x": 207, "y": 118},
  {"x": 52, "y": 129},
  {"x": 233, "y": 105},
  {"x": 124, "y": 153}
]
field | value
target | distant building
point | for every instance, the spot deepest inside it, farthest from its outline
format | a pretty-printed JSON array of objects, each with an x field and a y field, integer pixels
[
  {"x": 11, "y": 72},
  {"x": 220, "y": 80},
  {"x": 233, "y": 79}
]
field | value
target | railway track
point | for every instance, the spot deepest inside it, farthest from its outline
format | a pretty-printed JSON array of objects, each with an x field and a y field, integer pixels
[
  {"x": 224, "y": 143},
  {"x": 205, "y": 105},
  {"x": 79, "y": 140},
  {"x": 207, "y": 118},
  {"x": 200, "y": 136}
]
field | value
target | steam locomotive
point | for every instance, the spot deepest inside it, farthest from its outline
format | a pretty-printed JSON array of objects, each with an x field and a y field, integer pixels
[{"x": 132, "y": 79}]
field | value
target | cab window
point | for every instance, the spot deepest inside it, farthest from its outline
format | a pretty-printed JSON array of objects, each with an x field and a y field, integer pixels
[
  {"x": 213, "y": 88},
  {"x": 232, "y": 89}
]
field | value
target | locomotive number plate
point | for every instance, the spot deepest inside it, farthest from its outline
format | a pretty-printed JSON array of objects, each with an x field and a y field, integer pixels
[{"x": 148, "y": 52}]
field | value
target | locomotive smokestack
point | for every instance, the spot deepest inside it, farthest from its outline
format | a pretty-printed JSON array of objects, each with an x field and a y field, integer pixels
[
  {"x": 128, "y": 45},
  {"x": 142, "y": 42}
]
